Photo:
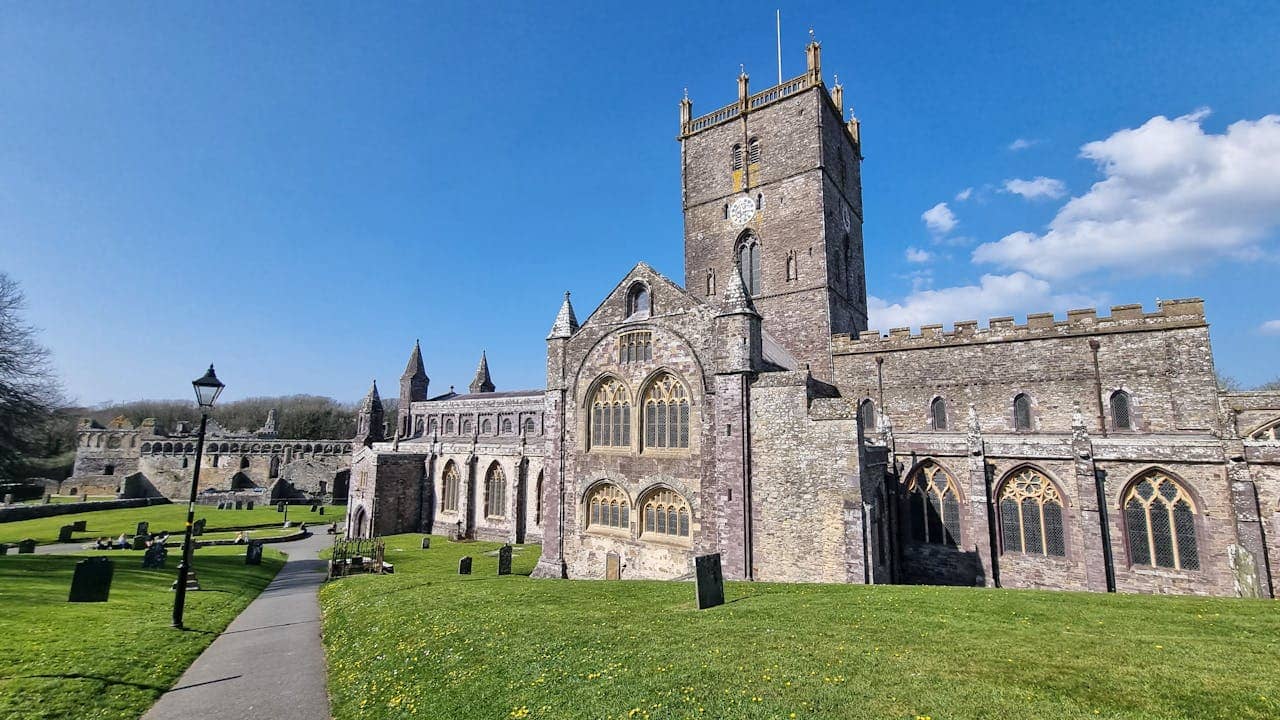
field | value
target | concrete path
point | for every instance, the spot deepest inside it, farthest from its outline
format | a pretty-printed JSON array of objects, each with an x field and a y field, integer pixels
[{"x": 269, "y": 662}]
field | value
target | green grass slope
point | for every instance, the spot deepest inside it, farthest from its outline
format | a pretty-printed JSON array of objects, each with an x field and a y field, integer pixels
[
  {"x": 103, "y": 661},
  {"x": 425, "y": 643},
  {"x": 173, "y": 518}
]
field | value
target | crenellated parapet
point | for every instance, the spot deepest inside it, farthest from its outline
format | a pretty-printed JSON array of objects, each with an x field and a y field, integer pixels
[{"x": 1170, "y": 314}]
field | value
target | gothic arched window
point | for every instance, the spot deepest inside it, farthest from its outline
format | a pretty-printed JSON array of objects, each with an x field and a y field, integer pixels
[
  {"x": 464, "y": 427},
  {"x": 448, "y": 427},
  {"x": 537, "y": 502},
  {"x": 666, "y": 513},
  {"x": 749, "y": 263},
  {"x": 450, "y": 491},
  {"x": 608, "y": 506},
  {"x": 1160, "y": 524},
  {"x": 735, "y": 157},
  {"x": 1031, "y": 515},
  {"x": 666, "y": 413},
  {"x": 791, "y": 268},
  {"x": 495, "y": 492},
  {"x": 611, "y": 415},
  {"x": 529, "y": 426},
  {"x": 933, "y": 506},
  {"x": 711, "y": 281},
  {"x": 486, "y": 426},
  {"x": 867, "y": 416},
  {"x": 1121, "y": 415},
  {"x": 638, "y": 300},
  {"x": 759, "y": 201},
  {"x": 506, "y": 426},
  {"x": 938, "y": 414},
  {"x": 432, "y": 426},
  {"x": 753, "y": 151},
  {"x": 1022, "y": 412}
]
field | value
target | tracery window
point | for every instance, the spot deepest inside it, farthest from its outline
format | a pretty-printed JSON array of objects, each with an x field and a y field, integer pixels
[
  {"x": 1160, "y": 525},
  {"x": 1031, "y": 515},
  {"x": 495, "y": 492},
  {"x": 449, "y": 493},
  {"x": 666, "y": 413},
  {"x": 1121, "y": 417},
  {"x": 938, "y": 414},
  {"x": 608, "y": 506},
  {"x": 933, "y": 506},
  {"x": 1022, "y": 412},
  {"x": 635, "y": 347},
  {"x": 749, "y": 263},
  {"x": 638, "y": 300},
  {"x": 611, "y": 415},
  {"x": 867, "y": 416},
  {"x": 1267, "y": 432},
  {"x": 666, "y": 513}
]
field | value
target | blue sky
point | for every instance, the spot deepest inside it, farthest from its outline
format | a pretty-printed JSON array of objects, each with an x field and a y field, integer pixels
[{"x": 298, "y": 191}]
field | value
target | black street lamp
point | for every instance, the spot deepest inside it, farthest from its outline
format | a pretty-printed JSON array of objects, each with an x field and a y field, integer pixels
[{"x": 208, "y": 387}]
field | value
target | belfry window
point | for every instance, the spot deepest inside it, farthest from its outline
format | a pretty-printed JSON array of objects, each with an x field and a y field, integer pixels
[
  {"x": 735, "y": 158},
  {"x": 449, "y": 492},
  {"x": 666, "y": 413},
  {"x": 753, "y": 151},
  {"x": 666, "y": 513},
  {"x": 938, "y": 414},
  {"x": 611, "y": 415},
  {"x": 635, "y": 347},
  {"x": 933, "y": 506},
  {"x": 749, "y": 263},
  {"x": 1121, "y": 415},
  {"x": 1022, "y": 412},
  {"x": 608, "y": 506},
  {"x": 1031, "y": 515},
  {"x": 1160, "y": 523}
]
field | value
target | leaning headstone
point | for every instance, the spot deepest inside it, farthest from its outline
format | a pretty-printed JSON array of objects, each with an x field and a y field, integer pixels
[
  {"x": 426, "y": 543},
  {"x": 80, "y": 525},
  {"x": 315, "y": 508},
  {"x": 710, "y": 581},
  {"x": 321, "y": 509},
  {"x": 92, "y": 580},
  {"x": 504, "y": 560},
  {"x": 154, "y": 557},
  {"x": 64, "y": 533},
  {"x": 26, "y": 547},
  {"x": 464, "y": 565},
  {"x": 253, "y": 553},
  {"x": 1244, "y": 571},
  {"x": 239, "y": 504},
  {"x": 279, "y": 507},
  {"x": 197, "y": 528},
  {"x": 249, "y": 505},
  {"x": 143, "y": 528},
  {"x": 612, "y": 567},
  {"x": 139, "y": 542}
]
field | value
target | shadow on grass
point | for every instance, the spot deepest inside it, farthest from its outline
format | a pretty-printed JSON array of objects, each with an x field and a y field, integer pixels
[{"x": 81, "y": 676}]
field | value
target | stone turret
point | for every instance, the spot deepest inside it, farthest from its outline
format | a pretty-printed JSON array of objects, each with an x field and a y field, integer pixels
[
  {"x": 269, "y": 428},
  {"x": 566, "y": 323},
  {"x": 738, "y": 337},
  {"x": 482, "y": 383},
  {"x": 413, "y": 388},
  {"x": 369, "y": 421}
]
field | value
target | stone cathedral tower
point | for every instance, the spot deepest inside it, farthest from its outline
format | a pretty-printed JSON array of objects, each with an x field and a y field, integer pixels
[{"x": 773, "y": 190}]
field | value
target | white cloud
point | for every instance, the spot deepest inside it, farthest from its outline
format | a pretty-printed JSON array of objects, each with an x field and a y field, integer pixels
[
  {"x": 964, "y": 194},
  {"x": 939, "y": 219},
  {"x": 1270, "y": 327},
  {"x": 1022, "y": 144},
  {"x": 995, "y": 295},
  {"x": 916, "y": 255},
  {"x": 1172, "y": 198},
  {"x": 1040, "y": 187}
]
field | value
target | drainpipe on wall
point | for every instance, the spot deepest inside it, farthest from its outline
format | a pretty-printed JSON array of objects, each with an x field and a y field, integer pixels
[
  {"x": 992, "y": 539},
  {"x": 1108, "y": 561}
]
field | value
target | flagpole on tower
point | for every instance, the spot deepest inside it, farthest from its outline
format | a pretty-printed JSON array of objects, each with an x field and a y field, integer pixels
[{"x": 778, "y": 25}]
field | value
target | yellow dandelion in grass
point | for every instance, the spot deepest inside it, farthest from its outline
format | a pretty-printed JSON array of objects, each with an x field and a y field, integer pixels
[{"x": 520, "y": 712}]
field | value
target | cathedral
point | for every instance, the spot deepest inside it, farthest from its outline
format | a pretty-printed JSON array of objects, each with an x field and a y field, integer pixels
[{"x": 749, "y": 411}]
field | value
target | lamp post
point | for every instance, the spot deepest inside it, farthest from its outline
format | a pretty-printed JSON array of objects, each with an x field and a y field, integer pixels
[{"x": 207, "y": 387}]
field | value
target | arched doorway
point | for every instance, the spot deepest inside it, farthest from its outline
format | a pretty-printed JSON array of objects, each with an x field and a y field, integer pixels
[{"x": 359, "y": 524}]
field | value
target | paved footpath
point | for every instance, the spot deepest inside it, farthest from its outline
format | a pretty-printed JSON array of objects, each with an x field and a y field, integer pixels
[{"x": 269, "y": 662}]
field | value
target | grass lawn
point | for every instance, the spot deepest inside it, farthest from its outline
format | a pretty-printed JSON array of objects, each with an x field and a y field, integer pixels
[
  {"x": 94, "y": 661},
  {"x": 111, "y": 523},
  {"x": 426, "y": 643}
]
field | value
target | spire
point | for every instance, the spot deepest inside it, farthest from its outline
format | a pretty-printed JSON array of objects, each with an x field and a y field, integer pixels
[
  {"x": 566, "y": 322},
  {"x": 372, "y": 401},
  {"x": 482, "y": 383},
  {"x": 736, "y": 299},
  {"x": 415, "y": 369}
]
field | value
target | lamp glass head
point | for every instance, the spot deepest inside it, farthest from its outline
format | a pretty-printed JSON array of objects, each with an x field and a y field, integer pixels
[{"x": 208, "y": 388}]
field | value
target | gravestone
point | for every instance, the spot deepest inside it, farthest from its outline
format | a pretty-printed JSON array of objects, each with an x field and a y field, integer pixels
[
  {"x": 154, "y": 557},
  {"x": 1244, "y": 571},
  {"x": 8, "y": 498},
  {"x": 464, "y": 565},
  {"x": 4, "y": 549},
  {"x": 197, "y": 528},
  {"x": 426, "y": 543},
  {"x": 92, "y": 580},
  {"x": 239, "y": 504},
  {"x": 80, "y": 525},
  {"x": 314, "y": 508},
  {"x": 253, "y": 553},
  {"x": 612, "y": 567},
  {"x": 222, "y": 505},
  {"x": 279, "y": 507},
  {"x": 48, "y": 499},
  {"x": 710, "y": 581},
  {"x": 249, "y": 505},
  {"x": 26, "y": 547},
  {"x": 321, "y": 509},
  {"x": 143, "y": 528},
  {"x": 64, "y": 533},
  {"x": 504, "y": 560},
  {"x": 139, "y": 542}
]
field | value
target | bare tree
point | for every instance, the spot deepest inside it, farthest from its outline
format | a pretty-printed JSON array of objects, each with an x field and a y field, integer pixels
[{"x": 29, "y": 391}]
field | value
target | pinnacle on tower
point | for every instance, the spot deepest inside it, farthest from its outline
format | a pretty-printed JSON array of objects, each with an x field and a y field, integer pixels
[
  {"x": 372, "y": 401},
  {"x": 413, "y": 383},
  {"x": 415, "y": 368},
  {"x": 566, "y": 323},
  {"x": 736, "y": 298},
  {"x": 482, "y": 383}
]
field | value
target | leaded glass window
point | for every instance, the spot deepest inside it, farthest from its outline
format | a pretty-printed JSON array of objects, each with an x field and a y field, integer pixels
[
  {"x": 609, "y": 507},
  {"x": 611, "y": 415},
  {"x": 938, "y": 413},
  {"x": 666, "y": 513},
  {"x": 635, "y": 347},
  {"x": 666, "y": 413},
  {"x": 1022, "y": 412},
  {"x": 749, "y": 264},
  {"x": 495, "y": 492},
  {"x": 451, "y": 487},
  {"x": 1160, "y": 525},
  {"x": 933, "y": 506},
  {"x": 1031, "y": 511},
  {"x": 1121, "y": 417}
]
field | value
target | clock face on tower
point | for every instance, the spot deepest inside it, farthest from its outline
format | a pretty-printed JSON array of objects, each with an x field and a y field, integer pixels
[{"x": 742, "y": 210}]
